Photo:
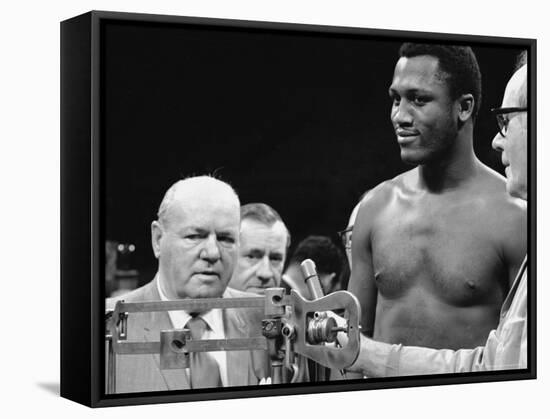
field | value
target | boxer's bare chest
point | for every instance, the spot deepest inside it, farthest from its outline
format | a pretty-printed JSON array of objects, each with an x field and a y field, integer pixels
[{"x": 441, "y": 246}]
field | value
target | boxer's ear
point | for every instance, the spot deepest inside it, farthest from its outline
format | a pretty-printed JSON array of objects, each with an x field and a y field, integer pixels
[
  {"x": 156, "y": 236},
  {"x": 465, "y": 104}
]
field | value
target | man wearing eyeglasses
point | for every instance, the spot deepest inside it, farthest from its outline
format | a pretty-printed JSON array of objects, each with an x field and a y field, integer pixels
[
  {"x": 506, "y": 346},
  {"x": 512, "y": 124},
  {"x": 436, "y": 249}
]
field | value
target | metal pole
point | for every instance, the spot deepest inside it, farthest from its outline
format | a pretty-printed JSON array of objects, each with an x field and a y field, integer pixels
[
  {"x": 111, "y": 367},
  {"x": 312, "y": 279},
  {"x": 276, "y": 372},
  {"x": 309, "y": 270}
]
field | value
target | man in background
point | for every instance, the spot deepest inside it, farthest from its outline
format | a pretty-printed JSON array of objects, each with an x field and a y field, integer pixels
[
  {"x": 329, "y": 262},
  {"x": 264, "y": 241}
]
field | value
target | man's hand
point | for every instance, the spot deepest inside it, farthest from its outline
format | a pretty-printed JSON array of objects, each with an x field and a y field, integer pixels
[
  {"x": 342, "y": 340},
  {"x": 341, "y": 337}
]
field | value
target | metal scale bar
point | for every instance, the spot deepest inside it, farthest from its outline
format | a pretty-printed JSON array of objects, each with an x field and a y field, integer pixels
[
  {"x": 197, "y": 305},
  {"x": 175, "y": 344}
]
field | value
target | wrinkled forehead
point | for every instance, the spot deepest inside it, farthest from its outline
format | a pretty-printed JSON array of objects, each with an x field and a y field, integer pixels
[
  {"x": 262, "y": 233},
  {"x": 227, "y": 207},
  {"x": 220, "y": 208}
]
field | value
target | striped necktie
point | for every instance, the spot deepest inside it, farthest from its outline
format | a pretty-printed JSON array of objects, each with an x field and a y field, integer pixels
[{"x": 204, "y": 368}]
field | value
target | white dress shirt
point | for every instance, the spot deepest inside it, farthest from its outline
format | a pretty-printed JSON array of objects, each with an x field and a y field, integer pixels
[{"x": 214, "y": 322}]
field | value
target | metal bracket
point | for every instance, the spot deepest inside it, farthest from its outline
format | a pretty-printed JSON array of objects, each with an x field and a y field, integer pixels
[
  {"x": 293, "y": 325},
  {"x": 305, "y": 319},
  {"x": 173, "y": 351}
]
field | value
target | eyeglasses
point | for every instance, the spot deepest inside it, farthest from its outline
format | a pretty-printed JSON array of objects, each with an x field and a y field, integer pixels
[
  {"x": 345, "y": 236},
  {"x": 502, "y": 117}
]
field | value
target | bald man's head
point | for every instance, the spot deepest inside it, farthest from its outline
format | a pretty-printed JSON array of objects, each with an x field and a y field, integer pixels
[
  {"x": 512, "y": 142},
  {"x": 195, "y": 189},
  {"x": 196, "y": 238}
]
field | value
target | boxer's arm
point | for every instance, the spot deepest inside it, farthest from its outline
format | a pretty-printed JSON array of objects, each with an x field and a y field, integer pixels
[{"x": 362, "y": 283}]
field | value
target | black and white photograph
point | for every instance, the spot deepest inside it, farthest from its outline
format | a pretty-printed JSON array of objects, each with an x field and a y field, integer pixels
[
  {"x": 286, "y": 207},
  {"x": 275, "y": 209}
]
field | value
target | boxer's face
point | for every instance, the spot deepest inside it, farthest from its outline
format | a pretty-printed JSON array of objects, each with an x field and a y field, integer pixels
[
  {"x": 423, "y": 113},
  {"x": 262, "y": 253},
  {"x": 514, "y": 144}
]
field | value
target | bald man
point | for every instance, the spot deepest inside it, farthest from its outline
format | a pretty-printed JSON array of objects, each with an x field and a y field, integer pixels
[{"x": 195, "y": 239}]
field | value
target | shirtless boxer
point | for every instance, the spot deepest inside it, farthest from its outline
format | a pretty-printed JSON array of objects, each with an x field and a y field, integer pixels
[{"x": 436, "y": 248}]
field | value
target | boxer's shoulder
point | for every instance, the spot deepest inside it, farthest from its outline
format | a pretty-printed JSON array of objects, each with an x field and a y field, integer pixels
[
  {"x": 380, "y": 203},
  {"x": 383, "y": 193}
]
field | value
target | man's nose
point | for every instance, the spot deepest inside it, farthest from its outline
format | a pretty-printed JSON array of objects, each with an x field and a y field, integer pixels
[
  {"x": 265, "y": 271},
  {"x": 498, "y": 142},
  {"x": 210, "y": 251},
  {"x": 401, "y": 114}
]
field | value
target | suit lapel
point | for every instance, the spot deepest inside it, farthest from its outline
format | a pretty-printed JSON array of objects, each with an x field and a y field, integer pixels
[
  {"x": 235, "y": 326},
  {"x": 174, "y": 379},
  {"x": 237, "y": 361}
]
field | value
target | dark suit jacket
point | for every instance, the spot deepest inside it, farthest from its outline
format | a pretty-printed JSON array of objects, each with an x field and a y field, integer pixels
[{"x": 142, "y": 372}]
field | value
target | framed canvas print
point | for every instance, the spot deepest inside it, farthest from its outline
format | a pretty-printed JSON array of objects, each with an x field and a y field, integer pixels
[{"x": 256, "y": 209}]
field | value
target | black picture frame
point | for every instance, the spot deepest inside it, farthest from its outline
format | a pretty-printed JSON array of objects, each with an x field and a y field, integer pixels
[{"x": 85, "y": 181}]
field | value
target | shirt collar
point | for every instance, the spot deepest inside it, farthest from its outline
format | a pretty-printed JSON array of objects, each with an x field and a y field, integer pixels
[{"x": 179, "y": 318}]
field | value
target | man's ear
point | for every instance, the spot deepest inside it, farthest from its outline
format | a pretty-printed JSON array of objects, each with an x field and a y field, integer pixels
[
  {"x": 156, "y": 236},
  {"x": 465, "y": 105}
]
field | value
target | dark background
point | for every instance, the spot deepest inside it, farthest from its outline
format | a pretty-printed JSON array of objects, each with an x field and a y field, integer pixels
[{"x": 298, "y": 120}]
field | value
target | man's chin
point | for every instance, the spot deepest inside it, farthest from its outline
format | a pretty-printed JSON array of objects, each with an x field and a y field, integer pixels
[
  {"x": 256, "y": 290},
  {"x": 203, "y": 291},
  {"x": 411, "y": 157},
  {"x": 516, "y": 189},
  {"x": 417, "y": 157}
]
